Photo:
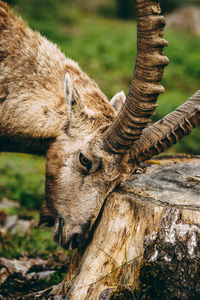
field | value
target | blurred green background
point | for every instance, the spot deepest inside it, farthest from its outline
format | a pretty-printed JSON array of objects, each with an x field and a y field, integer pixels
[{"x": 101, "y": 36}]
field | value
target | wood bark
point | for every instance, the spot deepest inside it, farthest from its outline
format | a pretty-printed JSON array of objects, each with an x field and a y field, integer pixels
[{"x": 147, "y": 239}]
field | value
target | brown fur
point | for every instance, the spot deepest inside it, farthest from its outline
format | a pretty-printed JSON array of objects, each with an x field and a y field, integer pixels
[{"x": 32, "y": 100}]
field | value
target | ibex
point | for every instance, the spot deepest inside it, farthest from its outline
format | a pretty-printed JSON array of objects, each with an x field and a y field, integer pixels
[{"x": 49, "y": 106}]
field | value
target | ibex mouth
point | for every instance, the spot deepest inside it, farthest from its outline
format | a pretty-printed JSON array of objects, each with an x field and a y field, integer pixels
[
  {"x": 60, "y": 239},
  {"x": 75, "y": 237},
  {"x": 73, "y": 243}
]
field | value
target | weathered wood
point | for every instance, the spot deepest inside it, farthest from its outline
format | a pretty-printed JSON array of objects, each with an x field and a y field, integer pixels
[{"x": 147, "y": 238}]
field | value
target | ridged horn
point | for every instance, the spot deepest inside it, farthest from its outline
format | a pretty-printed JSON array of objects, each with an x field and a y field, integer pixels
[
  {"x": 145, "y": 86},
  {"x": 168, "y": 131}
]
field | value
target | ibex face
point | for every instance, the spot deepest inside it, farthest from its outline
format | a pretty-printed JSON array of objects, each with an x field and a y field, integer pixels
[{"x": 79, "y": 176}]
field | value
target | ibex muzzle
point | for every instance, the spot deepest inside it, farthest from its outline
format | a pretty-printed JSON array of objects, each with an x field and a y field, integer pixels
[{"x": 49, "y": 106}]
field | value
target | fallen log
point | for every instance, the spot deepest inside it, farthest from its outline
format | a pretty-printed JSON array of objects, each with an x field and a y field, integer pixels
[{"x": 147, "y": 240}]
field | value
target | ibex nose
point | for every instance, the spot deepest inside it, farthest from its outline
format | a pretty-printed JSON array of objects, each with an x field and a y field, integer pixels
[
  {"x": 77, "y": 238},
  {"x": 69, "y": 236},
  {"x": 71, "y": 243}
]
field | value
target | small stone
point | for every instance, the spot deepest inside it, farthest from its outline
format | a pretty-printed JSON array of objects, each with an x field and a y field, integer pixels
[
  {"x": 40, "y": 275},
  {"x": 7, "y": 203},
  {"x": 21, "y": 227},
  {"x": 10, "y": 221}
]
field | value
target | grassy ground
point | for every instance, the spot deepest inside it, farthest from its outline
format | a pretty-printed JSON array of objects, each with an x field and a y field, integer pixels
[
  {"x": 105, "y": 49},
  {"x": 22, "y": 179}
]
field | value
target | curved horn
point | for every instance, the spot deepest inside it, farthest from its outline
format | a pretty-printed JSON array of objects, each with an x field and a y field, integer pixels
[
  {"x": 145, "y": 86},
  {"x": 168, "y": 131}
]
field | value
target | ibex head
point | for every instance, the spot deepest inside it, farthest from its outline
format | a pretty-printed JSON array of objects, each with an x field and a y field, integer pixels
[
  {"x": 83, "y": 169},
  {"x": 80, "y": 171}
]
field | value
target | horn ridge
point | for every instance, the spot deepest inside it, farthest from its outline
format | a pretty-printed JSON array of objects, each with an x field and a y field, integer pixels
[
  {"x": 145, "y": 86},
  {"x": 168, "y": 131}
]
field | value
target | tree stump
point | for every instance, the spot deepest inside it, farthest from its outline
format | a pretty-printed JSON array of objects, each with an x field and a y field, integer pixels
[{"x": 147, "y": 239}]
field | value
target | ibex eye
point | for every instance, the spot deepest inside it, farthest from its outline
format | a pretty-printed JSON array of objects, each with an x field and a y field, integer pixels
[{"x": 85, "y": 162}]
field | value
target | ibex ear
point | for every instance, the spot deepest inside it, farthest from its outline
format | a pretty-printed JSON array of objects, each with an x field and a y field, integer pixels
[
  {"x": 74, "y": 108},
  {"x": 118, "y": 100},
  {"x": 68, "y": 89}
]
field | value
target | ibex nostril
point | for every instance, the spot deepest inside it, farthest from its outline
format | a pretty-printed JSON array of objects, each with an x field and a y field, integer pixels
[
  {"x": 60, "y": 234},
  {"x": 61, "y": 223}
]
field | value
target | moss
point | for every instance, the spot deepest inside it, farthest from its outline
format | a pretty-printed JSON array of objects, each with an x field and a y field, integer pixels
[{"x": 170, "y": 280}]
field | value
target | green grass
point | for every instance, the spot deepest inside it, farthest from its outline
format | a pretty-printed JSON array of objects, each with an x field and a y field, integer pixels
[
  {"x": 38, "y": 243},
  {"x": 22, "y": 179}
]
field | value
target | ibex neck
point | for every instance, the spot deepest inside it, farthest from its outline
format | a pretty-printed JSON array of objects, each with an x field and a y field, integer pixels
[{"x": 24, "y": 145}]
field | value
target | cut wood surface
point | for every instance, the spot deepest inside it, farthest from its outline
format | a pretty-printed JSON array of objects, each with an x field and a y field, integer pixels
[{"x": 147, "y": 237}]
